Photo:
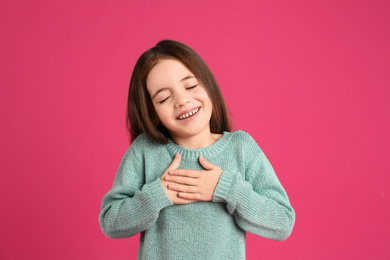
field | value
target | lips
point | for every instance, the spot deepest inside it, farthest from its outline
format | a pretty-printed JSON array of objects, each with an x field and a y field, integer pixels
[{"x": 188, "y": 113}]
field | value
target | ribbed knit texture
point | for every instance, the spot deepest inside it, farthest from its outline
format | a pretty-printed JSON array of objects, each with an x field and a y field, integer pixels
[{"x": 248, "y": 198}]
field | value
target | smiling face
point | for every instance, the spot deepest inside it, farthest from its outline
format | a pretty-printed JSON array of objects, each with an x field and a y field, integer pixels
[{"x": 180, "y": 101}]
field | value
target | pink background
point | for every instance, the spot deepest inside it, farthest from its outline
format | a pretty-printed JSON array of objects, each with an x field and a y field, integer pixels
[{"x": 309, "y": 80}]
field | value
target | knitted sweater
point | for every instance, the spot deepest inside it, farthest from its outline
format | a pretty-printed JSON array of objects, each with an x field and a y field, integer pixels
[{"x": 248, "y": 198}]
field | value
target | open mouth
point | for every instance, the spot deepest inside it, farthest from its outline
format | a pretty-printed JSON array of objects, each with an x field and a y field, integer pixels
[{"x": 189, "y": 114}]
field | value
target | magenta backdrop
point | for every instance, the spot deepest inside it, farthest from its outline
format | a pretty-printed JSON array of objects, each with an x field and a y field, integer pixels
[{"x": 309, "y": 80}]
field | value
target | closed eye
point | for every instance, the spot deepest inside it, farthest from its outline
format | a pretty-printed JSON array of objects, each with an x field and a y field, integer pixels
[
  {"x": 192, "y": 87},
  {"x": 162, "y": 101}
]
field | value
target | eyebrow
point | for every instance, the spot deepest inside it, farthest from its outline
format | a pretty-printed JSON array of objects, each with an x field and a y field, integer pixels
[
  {"x": 187, "y": 77},
  {"x": 158, "y": 91},
  {"x": 162, "y": 89}
]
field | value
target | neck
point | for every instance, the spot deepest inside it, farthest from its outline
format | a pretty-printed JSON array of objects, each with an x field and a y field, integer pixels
[{"x": 198, "y": 141}]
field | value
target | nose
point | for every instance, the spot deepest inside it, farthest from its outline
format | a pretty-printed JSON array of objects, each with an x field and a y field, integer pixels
[{"x": 182, "y": 99}]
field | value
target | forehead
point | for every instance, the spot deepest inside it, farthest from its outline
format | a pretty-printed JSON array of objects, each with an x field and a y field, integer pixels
[{"x": 166, "y": 73}]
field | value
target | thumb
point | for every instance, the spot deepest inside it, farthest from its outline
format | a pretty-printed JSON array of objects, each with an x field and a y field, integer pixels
[
  {"x": 206, "y": 164},
  {"x": 175, "y": 163}
]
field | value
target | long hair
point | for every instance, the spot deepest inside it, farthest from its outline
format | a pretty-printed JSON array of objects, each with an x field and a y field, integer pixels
[{"x": 141, "y": 116}]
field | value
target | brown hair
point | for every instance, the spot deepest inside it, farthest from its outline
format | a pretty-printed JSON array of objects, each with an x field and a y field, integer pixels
[{"x": 141, "y": 116}]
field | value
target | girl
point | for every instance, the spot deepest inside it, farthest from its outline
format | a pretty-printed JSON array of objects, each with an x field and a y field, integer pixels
[{"x": 190, "y": 186}]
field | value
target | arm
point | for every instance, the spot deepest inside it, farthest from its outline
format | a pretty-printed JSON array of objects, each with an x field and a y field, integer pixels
[
  {"x": 258, "y": 202},
  {"x": 131, "y": 206}
]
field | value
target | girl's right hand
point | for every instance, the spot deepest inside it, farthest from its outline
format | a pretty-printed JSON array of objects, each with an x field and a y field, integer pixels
[{"x": 173, "y": 195}]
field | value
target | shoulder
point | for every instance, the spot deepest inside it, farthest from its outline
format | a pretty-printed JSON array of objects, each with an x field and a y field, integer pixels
[
  {"x": 243, "y": 138},
  {"x": 239, "y": 134},
  {"x": 246, "y": 145},
  {"x": 252, "y": 155},
  {"x": 144, "y": 141}
]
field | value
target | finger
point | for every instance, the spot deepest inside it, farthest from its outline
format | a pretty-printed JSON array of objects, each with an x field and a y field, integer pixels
[
  {"x": 175, "y": 163},
  {"x": 182, "y": 188},
  {"x": 206, "y": 164},
  {"x": 190, "y": 196},
  {"x": 185, "y": 173},
  {"x": 182, "y": 180}
]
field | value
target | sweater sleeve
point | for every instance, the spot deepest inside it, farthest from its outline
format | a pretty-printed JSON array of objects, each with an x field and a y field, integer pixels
[
  {"x": 131, "y": 206},
  {"x": 256, "y": 199}
]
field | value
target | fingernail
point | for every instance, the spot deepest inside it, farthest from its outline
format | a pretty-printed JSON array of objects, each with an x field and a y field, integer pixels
[
  {"x": 171, "y": 186},
  {"x": 201, "y": 157},
  {"x": 171, "y": 172},
  {"x": 168, "y": 178}
]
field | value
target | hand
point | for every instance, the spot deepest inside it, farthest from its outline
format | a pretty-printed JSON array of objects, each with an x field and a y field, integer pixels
[
  {"x": 171, "y": 193},
  {"x": 195, "y": 185}
]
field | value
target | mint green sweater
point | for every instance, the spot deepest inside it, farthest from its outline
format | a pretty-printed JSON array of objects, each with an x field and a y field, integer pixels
[{"x": 248, "y": 198}]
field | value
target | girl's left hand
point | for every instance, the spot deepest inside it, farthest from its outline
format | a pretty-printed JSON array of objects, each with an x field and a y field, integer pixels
[{"x": 195, "y": 185}]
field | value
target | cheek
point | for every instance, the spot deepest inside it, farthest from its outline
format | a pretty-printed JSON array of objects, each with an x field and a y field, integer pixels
[
  {"x": 162, "y": 112},
  {"x": 207, "y": 101},
  {"x": 204, "y": 96}
]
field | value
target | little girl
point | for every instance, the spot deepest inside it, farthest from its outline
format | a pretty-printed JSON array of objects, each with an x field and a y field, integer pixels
[{"x": 190, "y": 186}]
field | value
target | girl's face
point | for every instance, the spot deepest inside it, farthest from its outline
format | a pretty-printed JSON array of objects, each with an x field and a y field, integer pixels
[{"x": 181, "y": 102}]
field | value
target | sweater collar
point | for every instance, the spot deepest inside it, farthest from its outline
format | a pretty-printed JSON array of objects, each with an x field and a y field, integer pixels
[{"x": 208, "y": 152}]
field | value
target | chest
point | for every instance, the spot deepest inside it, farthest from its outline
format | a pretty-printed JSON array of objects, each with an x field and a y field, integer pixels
[{"x": 155, "y": 167}]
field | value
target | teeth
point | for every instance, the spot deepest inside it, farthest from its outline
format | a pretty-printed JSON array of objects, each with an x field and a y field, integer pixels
[{"x": 189, "y": 114}]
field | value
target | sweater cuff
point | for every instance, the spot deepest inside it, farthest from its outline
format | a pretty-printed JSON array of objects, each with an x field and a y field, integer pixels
[
  {"x": 157, "y": 198},
  {"x": 223, "y": 189}
]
